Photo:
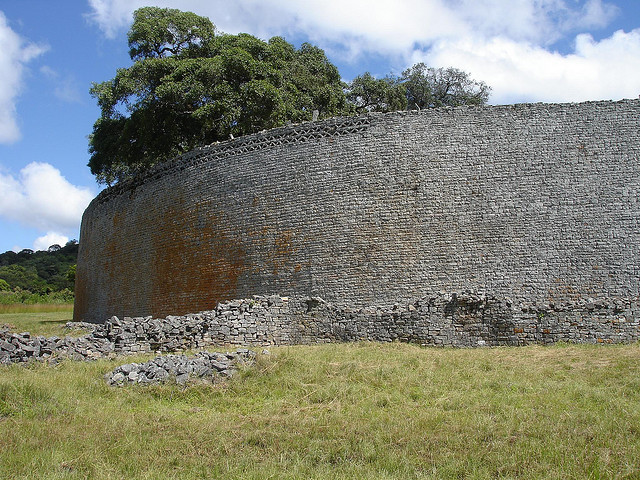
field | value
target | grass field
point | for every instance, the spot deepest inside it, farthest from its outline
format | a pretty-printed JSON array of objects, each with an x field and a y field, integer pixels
[
  {"x": 36, "y": 308},
  {"x": 37, "y": 319},
  {"x": 362, "y": 410}
]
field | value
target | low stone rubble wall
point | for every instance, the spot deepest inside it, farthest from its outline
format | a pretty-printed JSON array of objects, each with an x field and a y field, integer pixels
[
  {"x": 22, "y": 347},
  {"x": 459, "y": 320},
  {"x": 208, "y": 366}
]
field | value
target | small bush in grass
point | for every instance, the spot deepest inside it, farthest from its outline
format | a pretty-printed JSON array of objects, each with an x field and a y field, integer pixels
[{"x": 18, "y": 296}]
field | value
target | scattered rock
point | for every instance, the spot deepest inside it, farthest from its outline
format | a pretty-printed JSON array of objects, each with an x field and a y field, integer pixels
[{"x": 208, "y": 366}]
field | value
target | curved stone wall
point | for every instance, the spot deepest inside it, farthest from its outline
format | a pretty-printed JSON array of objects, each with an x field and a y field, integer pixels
[{"x": 537, "y": 203}]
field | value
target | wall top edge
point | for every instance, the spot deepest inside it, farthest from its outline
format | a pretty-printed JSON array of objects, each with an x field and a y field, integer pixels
[{"x": 332, "y": 127}]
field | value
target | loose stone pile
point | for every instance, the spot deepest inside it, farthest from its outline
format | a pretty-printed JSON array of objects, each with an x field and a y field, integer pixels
[
  {"x": 22, "y": 347},
  {"x": 180, "y": 368}
]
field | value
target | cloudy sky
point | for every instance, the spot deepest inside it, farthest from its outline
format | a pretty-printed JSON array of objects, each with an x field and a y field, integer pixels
[{"x": 50, "y": 52}]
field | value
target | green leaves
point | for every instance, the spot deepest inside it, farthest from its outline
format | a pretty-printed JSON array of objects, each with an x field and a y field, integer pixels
[
  {"x": 369, "y": 94},
  {"x": 189, "y": 87},
  {"x": 419, "y": 87},
  {"x": 160, "y": 32},
  {"x": 442, "y": 87}
]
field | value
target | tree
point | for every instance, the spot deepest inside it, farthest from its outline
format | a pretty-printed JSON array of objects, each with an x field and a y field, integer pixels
[
  {"x": 369, "y": 94},
  {"x": 71, "y": 273},
  {"x": 189, "y": 86},
  {"x": 25, "y": 278},
  {"x": 437, "y": 87},
  {"x": 160, "y": 32},
  {"x": 418, "y": 87},
  {"x": 40, "y": 271}
]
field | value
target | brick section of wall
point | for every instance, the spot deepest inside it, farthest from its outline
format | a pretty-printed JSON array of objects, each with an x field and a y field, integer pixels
[{"x": 534, "y": 202}]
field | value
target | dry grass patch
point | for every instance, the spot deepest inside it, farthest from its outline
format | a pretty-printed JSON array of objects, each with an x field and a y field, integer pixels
[
  {"x": 15, "y": 308},
  {"x": 337, "y": 411}
]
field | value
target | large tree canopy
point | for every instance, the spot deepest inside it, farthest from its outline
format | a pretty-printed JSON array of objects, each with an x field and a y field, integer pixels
[{"x": 189, "y": 86}]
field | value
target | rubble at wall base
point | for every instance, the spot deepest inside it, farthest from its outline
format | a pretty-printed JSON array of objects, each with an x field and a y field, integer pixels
[{"x": 462, "y": 319}]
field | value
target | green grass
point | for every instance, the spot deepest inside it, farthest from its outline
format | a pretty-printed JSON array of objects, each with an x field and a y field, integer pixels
[
  {"x": 48, "y": 320},
  {"x": 361, "y": 410},
  {"x": 36, "y": 307}
]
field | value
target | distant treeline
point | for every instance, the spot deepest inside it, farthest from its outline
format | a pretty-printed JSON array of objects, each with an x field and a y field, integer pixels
[{"x": 42, "y": 276}]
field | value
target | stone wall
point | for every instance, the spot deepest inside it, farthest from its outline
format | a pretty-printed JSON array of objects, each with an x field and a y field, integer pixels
[
  {"x": 460, "y": 320},
  {"x": 534, "y": 202}
]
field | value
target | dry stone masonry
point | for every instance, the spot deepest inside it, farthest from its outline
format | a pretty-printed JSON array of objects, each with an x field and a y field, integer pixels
[
  {"x": 464, "y": 319},
  {"x": 24, "y": 347},
  {"x": 537, "y": 206}
]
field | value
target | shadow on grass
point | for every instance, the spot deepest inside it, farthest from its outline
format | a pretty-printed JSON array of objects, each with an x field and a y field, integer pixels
[{"x": 41, "y": 321}]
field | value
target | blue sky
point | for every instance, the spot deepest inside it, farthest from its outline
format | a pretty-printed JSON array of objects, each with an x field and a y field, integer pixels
[{"x": 50, "y": 52}]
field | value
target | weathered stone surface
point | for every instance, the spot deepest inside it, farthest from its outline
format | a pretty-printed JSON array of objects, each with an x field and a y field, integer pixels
[
  {"x": 463, "y": 319},
  {"x": 537, "y": 203},
  {"x": 80, "y": 326}
]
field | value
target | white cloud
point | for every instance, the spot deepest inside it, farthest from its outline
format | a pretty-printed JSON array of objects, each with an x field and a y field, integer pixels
[
  {"x": 607, "y": 69},
  {"x": 65, "y": 88},
  {"x": 392, "y": 26},
  {"x": 504, "y": 43},
  {"x": 41, "y": 197},
  {"x": 51, "y": 238},
  {"x": 112, "y": 16},
  {"x": 15, "y": 53},
  {"x": 595, "y": 14},
  {"x": 538, "y": 21}
]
